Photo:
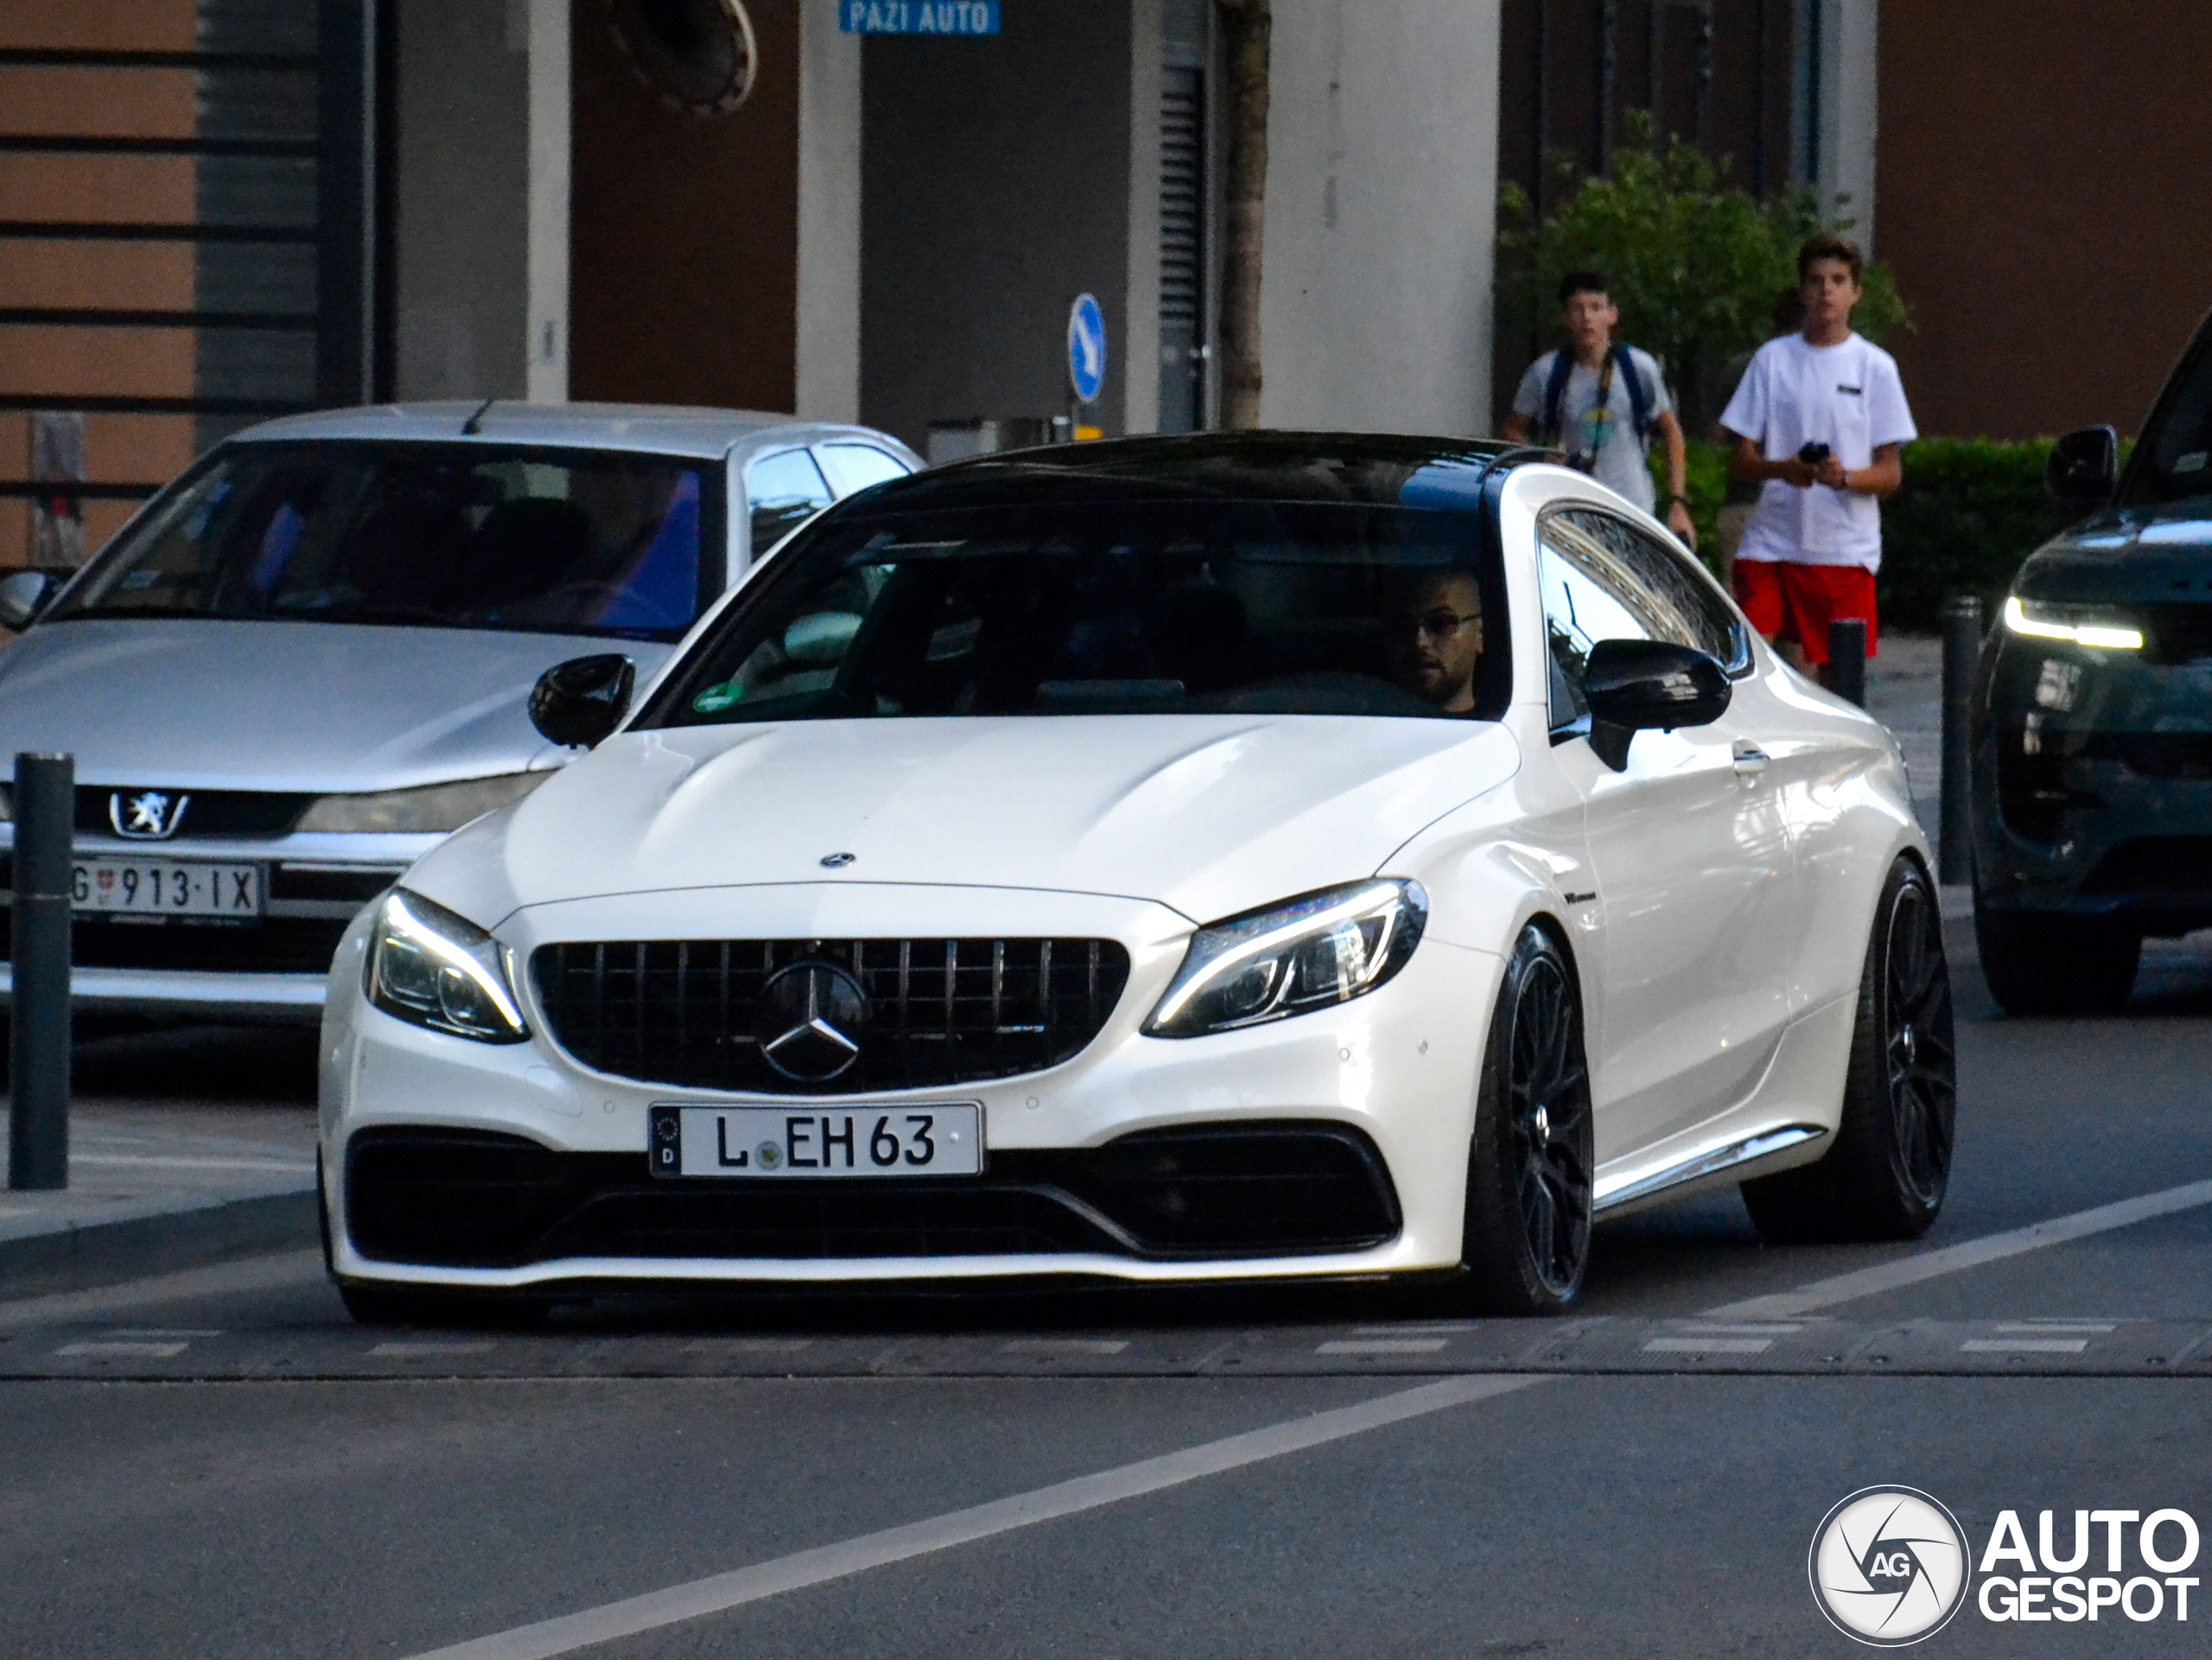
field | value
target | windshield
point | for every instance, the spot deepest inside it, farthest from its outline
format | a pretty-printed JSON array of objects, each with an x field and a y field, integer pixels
[
  {"x": 1120, "y": 607},
  {"x": 451, "y": 536},
  {"x": 2174, "y": 460}
]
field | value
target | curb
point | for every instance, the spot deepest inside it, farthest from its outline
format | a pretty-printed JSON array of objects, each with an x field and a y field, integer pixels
[{"x": 79, "y": 1258}]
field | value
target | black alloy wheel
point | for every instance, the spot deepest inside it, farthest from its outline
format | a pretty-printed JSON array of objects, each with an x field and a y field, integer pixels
[
  {"x": 1527, "y": 1238},
  {"x": 1886, "y": 1171}
]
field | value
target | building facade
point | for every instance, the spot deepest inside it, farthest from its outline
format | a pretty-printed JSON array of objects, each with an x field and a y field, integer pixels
[{"x": 214, "y": 210}]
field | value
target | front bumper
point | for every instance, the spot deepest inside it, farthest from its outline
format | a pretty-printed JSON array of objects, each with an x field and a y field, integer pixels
[
  {"x": 2093, "y": 787},
  {"x": 1388, "y": 1079},
  {"x": 274, "y": 971}
]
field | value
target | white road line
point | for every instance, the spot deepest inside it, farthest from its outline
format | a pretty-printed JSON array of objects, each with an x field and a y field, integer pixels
[
  {"x": 1973, "y": 1253},
  {"x": 2057, "y": 1326},
  {"x": 749, "y": 1346},
  {"x": 180, "y": 1161},
  {"x": 2024, "y": 1346},
  {"x": 121, "y": 1351},
  {"x": 421, "y": 1351},
  {"x": 222, "y": 1279},
  {"x": 713, "y": 1595},
  {"x": 185, "y": 1332},
  {"x": 1735, "y": 1328},
  {"x": 1708, "y": 1345},
  {"x": 1382, "y": 1346},
  {"x": 1065, "y": 1346}
]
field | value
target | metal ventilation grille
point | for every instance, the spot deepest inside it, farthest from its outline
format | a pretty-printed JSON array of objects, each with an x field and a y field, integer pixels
[
  {"x": 939, "y": 1011},
  {"x": 1182, "y": 247}
]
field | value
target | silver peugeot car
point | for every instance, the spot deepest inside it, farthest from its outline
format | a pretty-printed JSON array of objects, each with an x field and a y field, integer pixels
[{"x": 311, "y": 657}]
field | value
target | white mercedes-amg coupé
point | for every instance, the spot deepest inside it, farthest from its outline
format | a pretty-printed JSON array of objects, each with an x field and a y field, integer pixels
[{"x": 1248, "y": 856}]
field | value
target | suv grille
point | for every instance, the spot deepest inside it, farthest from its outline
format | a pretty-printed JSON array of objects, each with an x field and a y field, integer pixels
[{"x": 937, "y": 1012}]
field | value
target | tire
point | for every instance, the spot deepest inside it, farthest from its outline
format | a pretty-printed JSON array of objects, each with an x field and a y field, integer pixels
[
  {"x": 1526, "y": 1243},
  {"x": 374, "y": 1304},
  {"x": 1885, "y": 1175},
  {"x": 2038, "y": 964}
]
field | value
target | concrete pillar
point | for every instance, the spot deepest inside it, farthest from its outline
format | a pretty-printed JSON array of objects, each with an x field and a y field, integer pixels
[
  {"x": 829, "y": 366},
  {"x": 547, "y": 22},
  {"x": 1382, "y": 207}
]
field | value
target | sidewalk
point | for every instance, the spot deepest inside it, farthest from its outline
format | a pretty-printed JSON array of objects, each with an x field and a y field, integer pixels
[{"x": 185, "y": 1148}]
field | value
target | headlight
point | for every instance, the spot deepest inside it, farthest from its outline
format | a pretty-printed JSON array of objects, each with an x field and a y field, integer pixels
[
  {"x": 1293, "y": 958},
  {"x": 431, "y": 968},
  {"x": 437, "y": 807},
  {"x": 2082, "y": 624}
]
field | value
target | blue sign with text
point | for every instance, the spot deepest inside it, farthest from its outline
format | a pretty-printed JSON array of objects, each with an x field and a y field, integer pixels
[
  {"x": 918, "y": 16},
  {"x": 1087, "y": 349}
]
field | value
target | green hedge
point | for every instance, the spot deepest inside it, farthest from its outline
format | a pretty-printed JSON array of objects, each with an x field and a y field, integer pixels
[{"x": 1971, "y": 510}]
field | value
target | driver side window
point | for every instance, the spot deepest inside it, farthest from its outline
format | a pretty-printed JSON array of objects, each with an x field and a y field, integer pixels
[{"x": 1582, "y": 606}]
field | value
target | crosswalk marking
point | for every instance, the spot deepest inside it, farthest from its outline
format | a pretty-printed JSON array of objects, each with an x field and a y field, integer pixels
[
  {"x": 1708, "y": 1345},
  {"x": 1383, "y": 1345}
]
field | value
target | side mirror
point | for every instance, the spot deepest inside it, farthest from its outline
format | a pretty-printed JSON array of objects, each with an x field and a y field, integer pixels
[
  {"x": 1642, "y": 685},
  {"x": 580, "y": 702},
  {"x": 2084, "y": 465},
  {"x": 23, "y": 595}
]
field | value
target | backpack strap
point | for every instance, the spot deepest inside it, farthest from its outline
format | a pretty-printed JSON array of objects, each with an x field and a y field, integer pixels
[
  {"x": 1639, "y": 395},
  {"x": 1555, "y": 395}
]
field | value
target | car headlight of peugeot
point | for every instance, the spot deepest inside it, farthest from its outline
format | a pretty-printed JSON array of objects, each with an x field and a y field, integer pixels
[
  {"x": 433, "y": 808},
  {"x": 1308, "y": 953},
  {"x": 2080, "y": 624},
  {"x": 431, "y": 968}
]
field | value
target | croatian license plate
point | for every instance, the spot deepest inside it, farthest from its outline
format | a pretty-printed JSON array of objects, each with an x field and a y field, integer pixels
[
  {"x": 167, "y": 888},
  {"x": 928, "y": 1139}
]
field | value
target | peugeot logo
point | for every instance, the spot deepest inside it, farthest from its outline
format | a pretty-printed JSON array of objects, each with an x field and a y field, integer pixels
[
  {"x": 146, "y": 815},
  {"x": 807, "y": 1019}
]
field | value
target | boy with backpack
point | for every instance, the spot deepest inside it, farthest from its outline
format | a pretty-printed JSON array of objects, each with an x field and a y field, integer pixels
[{"x": 1602, "y": 402}]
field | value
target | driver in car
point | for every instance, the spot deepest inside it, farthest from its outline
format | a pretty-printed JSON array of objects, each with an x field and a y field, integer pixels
[{"x": 1433, "y": 635}]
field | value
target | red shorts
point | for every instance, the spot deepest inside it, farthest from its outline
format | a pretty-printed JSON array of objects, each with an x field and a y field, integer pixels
[{"x": 1797, "y": 603}]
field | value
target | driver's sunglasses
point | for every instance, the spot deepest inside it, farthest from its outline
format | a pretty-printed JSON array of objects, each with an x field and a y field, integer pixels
[{"x": 1434, "y": 625}]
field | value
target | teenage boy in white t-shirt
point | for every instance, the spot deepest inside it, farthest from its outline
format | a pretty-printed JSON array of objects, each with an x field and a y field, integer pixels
[
  {"x": 1604, "y": 403},
  {"x": 1818, "y": 419}
]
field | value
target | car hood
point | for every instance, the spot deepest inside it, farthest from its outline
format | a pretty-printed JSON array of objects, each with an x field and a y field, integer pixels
[
  {"x": 1210, "y": 814},
  {"x": 311, "y": 707},
  {"x": 2157, "y": 556}
]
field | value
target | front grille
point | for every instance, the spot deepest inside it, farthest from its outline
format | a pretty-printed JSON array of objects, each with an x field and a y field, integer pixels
[
  {"x": 275, "y": 946},
  {"x": 2184, "y": 755},
  {"x": 462, "y": 1199},
  {"x": 939, "y": 1012},
  {"x": 2176, "y": 866},
  {"x": 209, "y": 812},
  {"x": 2180, "y": 634}
]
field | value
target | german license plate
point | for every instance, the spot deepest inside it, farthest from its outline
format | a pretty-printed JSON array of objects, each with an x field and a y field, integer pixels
[
  {"x": 167, "y": 888},
  {"x": 927, "y": 1139}
]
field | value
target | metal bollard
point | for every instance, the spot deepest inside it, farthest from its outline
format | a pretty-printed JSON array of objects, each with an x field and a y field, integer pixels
[
  {"x": 38, "y": 1039},
  {"x": 1847, "y": 658},
  {"x": 1962, "y": 647}
]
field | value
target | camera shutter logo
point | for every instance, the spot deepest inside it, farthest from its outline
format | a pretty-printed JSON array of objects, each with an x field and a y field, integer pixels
[{"x": 1889, "y": 1566}]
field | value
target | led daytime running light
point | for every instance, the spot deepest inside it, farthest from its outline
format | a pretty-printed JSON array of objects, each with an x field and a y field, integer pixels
[
  {"x": 1397, "y": 910},
  {"x": 402, "y": 920},
  {"x": 2106, "y": 636}
]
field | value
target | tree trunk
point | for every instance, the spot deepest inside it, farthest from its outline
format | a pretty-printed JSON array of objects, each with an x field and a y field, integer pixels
[{"x": 1247, "y": 26}]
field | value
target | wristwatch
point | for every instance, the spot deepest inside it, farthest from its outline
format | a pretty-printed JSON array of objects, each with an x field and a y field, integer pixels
[{"x": 1672, "y": 499}]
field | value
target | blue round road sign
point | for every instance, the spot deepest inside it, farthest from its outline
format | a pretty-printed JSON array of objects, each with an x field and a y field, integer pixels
[{"x": 1087, "y": 349}]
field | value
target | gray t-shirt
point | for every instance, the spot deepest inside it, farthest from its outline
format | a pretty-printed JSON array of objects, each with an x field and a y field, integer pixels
[{"x": 1610, "y": 434}]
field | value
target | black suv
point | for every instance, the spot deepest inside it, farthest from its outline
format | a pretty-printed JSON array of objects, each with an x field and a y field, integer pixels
[{"x": 2093, "y": 737}]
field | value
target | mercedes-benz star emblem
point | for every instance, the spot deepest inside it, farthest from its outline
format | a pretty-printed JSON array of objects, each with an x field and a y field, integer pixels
[
  {"x": 808, "y": 1019},
  {"x": 146, "y": 815}
]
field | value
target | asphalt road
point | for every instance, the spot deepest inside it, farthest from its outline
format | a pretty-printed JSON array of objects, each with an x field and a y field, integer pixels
[{"x": 220, "y": 1465}]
